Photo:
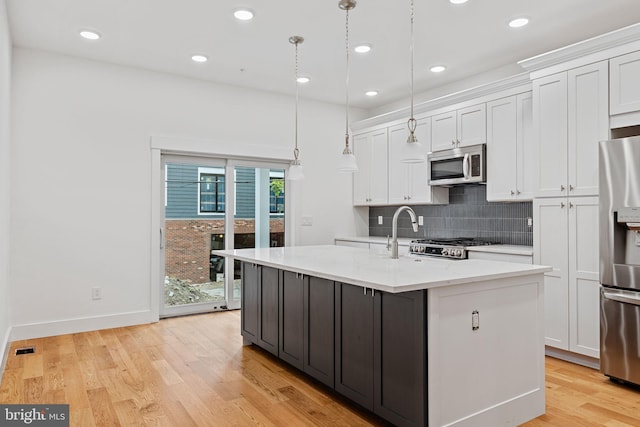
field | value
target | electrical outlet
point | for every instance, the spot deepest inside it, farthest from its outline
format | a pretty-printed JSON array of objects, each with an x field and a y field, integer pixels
[
  {"x": 96, "y": 293},
  {"x": 420, "y": 220},
  {"x": 379, "y": 219}
]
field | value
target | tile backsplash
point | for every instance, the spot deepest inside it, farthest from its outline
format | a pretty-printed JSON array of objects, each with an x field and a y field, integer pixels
[{"x": 468, "y": 214}]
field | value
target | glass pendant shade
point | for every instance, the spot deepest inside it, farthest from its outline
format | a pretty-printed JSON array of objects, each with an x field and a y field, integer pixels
[
  {"x": 347, "y": 161},
  {"x": 412, "y": 152},
  {"x": 295, "y": 171}
]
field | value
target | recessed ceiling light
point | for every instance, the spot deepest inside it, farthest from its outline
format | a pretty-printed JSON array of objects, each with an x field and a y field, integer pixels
[
  {"x": 371, "y": 93},
  {"x": 89, "y": 35},
  {"x": 518, "y": 22},
  {"x": 199, "y": 58},
  {"x": 437, "y": 68},
  {"x": 303, "y": 79},
  {"x": 457, "y": 1},
  {"x": 243, "y": 14},
  {"x": 362, "y": 48}
]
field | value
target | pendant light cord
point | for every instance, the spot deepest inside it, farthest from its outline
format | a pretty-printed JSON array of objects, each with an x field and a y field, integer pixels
[
  {"x": 295, "y": 150},
  {"x": 411, "y": 51},
  {"x": 411, "y": 123},
  {"x": 347, "y": 82}
]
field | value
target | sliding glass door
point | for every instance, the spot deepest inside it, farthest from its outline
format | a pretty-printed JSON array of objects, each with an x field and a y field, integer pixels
[{"x": 212, "y": 204}]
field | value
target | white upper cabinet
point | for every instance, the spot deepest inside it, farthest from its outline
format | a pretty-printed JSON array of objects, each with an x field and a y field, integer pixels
[
  {"x": 510, "y": 148},
  {"x": 570, "y": 117},
  {"x": 588, "y": 125},
  {"x": 625, "y": 83},
  {"x": 408, "y": 183},
  {"x": 462, "y": 127},
  {"x": 370, "y": 182}
]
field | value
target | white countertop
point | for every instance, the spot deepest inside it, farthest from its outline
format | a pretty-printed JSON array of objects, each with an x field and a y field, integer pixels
[{"x": 366, "y": 268}]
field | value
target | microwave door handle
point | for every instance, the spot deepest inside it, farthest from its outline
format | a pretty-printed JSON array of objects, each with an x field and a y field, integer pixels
[{"x": 466, "y": 166}]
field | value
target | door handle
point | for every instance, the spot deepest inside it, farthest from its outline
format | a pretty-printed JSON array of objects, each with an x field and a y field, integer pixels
[
  {"x": 622, "y": 298},
  {"x": 466, "y": 166}
]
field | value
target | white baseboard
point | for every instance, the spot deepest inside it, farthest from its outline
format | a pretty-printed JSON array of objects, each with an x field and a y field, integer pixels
[
  {"x": 71, "y": 326},
  {"x": 576, "y": 358}
]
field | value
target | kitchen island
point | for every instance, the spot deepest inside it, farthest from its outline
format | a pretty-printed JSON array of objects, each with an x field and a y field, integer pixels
[{"x": 417, "y": 340}]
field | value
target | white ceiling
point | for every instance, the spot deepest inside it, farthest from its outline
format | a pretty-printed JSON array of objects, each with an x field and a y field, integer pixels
[{"x": 162, "y": 35}]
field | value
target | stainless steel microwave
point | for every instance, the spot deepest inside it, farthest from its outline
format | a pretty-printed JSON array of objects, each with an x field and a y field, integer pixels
[{"x": 462, "y": 165}]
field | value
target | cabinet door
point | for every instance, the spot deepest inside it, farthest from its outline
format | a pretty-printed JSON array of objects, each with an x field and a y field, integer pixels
[
  {"x": 354, "y": 343},
  {"x": 370, "y": 182},
  {"x": 502, "y": 137},
  {"x": 472, "y": 125},
  {"x": 588, "y": 123},
  {"x": 362, "y": 151},
  {"x": 291, "y": 312},
  {"x": 378, "y": 171},
  {"x": 268, "y": 309},
  {"x": 400, "y": 357},
  {"x": 525, "y": 147},
  {"x": 550, "y": 125},
  {"x": 443, "y": 131},
  {"x": 584, "y": 286},
  {"x": 625, "y": 83},
  {"x": 408, "y": 181},
  {"x": 250, "y": 301},
  {"x": 550, "y": 244},
  {"x": 319, "y": 304},
  {"x": 398, "y": 171}
]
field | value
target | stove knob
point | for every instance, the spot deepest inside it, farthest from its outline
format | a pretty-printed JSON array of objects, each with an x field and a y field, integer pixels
[
  {"x": 459, "y": 253},
  {"x": 445, "y": 252}
]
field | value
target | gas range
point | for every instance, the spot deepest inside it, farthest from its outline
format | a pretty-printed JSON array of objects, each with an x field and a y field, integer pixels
[{"x": 454, "y": 247}]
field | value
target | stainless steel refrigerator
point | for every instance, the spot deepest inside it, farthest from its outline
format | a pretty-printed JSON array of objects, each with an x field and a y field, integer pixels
[{"x": 619, "y": 163}]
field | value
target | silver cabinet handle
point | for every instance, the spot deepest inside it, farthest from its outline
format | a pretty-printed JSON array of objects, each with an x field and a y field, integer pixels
[
  {"x": 562, "y": 205},
  {"x": 570, "y": 187},
  {"x": 512, "y": 193},
  {"x": 561, "y": 187},
  {"x": 453, "y": 142},
  {"x": 570, "y": 205}
]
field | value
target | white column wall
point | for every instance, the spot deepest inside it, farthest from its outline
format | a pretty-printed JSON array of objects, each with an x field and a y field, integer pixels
[
  {"x": 81, "y": 172},
  {"x": 5, "y": 92}
]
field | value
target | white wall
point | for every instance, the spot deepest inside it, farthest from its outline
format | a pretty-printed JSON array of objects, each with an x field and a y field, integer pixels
[
  {"x": 81, "y": 172},
  {"x": 5, "y": 83}
]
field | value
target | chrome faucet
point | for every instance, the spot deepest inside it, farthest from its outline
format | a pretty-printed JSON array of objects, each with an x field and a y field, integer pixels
[{"x": 394, "y": 228}]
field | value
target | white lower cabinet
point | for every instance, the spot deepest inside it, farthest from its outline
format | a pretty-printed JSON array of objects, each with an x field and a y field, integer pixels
[{"x": 566, "y": 238}]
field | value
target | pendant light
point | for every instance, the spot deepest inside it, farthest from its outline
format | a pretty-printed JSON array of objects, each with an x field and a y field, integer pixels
[
  {"x": 295, "y": 168},
  {"x": 348, "y": 159},
  {"x": 412, "y": 151}
]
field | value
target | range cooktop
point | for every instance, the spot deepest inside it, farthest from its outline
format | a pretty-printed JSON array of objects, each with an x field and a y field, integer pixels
[{"x": 453, "y": 247}]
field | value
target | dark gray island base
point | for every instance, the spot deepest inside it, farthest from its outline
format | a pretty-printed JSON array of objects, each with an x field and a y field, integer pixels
[
  {"x": 367, "y": 345},
  {"x": 417, "y": 341}
]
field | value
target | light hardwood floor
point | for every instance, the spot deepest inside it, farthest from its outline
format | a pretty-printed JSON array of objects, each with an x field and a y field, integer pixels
[{"x": 194, "y": 371}]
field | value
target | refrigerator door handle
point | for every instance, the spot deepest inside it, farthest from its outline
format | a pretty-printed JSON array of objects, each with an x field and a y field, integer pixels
[{"x": 622, "y": 298}]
